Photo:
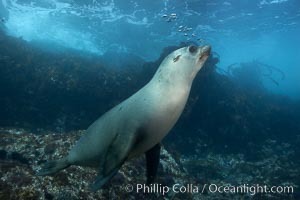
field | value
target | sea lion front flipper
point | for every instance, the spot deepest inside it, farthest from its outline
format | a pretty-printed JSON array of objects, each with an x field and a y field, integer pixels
[{"x": 152, "y": 161}]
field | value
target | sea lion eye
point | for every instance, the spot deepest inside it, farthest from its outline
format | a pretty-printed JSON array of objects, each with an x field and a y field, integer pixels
[
  {"x": 176, "y": 58},
  {"x": 193, "y": 49}
]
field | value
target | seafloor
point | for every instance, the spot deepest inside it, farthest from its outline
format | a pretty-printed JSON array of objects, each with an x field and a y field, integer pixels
[{"x": 22, "y": 153}]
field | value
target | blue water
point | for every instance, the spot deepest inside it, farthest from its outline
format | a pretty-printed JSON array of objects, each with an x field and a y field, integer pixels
[
  {"x": 238, "y": 30},
  {"x": 60, "y": 64}
]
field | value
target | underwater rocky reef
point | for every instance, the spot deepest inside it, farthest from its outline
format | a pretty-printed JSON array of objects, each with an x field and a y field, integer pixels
[
  {"x": 22, "y": 153},
  {"x": 231, "y": 132}
]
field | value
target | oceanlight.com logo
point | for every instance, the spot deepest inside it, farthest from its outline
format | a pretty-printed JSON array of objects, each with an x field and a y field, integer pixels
[{"x": 209, "y": 188}]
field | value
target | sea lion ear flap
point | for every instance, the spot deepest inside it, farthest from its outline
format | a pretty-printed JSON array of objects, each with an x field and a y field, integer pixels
[{"x": 176, "y": 58}]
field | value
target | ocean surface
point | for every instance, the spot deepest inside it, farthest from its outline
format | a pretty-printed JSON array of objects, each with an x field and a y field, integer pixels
[{"x": 64, "y": 63}]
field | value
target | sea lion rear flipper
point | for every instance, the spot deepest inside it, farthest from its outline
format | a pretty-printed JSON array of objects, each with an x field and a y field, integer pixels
[
  {"x": 52, "y": 167},
  {"x": 103, "y": 178},
  {"x": 100, "y": 180},
  {"x": 116, "y": 155},
  {"x": 152, "y": 161}
]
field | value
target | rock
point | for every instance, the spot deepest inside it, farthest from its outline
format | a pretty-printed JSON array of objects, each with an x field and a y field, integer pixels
[
  {"x": 13, "y": 156},
  {"x": 50, "y": 148},
  {"x": 23, "y": 153},
  {"x": 3, "y": 154},
  {"x": 18, "y": 157},
  {"x": 48, "y": 196}
]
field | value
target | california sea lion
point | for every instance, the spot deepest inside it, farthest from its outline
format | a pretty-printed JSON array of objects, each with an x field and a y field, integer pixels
[{"x": 138, "y": 124}]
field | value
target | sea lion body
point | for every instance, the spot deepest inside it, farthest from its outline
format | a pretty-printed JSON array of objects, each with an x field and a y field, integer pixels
[
  {"x": 138, "y": 124},
  {"x": 147, "y": 121}
]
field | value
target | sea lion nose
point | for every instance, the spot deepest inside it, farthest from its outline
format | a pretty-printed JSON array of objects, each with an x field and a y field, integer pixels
[{"x": 205, "y": 50}]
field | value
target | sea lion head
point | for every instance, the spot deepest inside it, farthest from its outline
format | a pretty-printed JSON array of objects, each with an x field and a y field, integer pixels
[{"x": 185, "y": 62}]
